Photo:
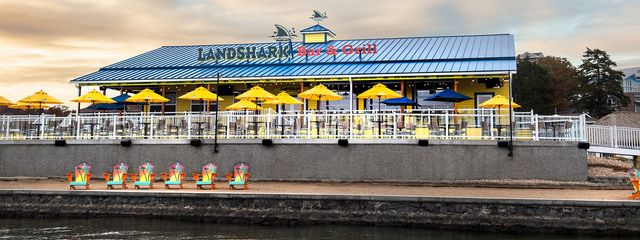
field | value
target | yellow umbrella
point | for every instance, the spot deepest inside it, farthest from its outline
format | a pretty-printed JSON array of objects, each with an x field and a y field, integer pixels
[
  {"x": 41, "y": 98},
  {"x": 201, "y": 94},
  {"x": 5, "y": 102},
  {"x": 320, "y": 92},
  {"x": 27, "y": 106},
  {"x": 498, "y": 101},
  {"x": 147, "y": 96},
  {"x": 379, "y": 91},
  {"x": 283, "y": 98},
  {"x": 93, "y": 97},
  {"x": 256, "y": 94},
  {"x": 244, "y": 104}
]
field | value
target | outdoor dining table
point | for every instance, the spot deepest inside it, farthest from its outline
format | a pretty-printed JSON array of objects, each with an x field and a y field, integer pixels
[
  {"x": 199, "y": 124},
  {"x": 91, "y": 127},
  {"x": 37, "y": 127},
  {"x": 317, "y": 126},
  {"x": 146, "y": 127},
  {"x": 256, "y": 124}
]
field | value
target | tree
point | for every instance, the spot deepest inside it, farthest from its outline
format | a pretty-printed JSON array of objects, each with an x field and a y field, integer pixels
[
  {"x": 532, "y": 88},
  {"x": 599, "y": 90},
  {"x": 59, "y": 110},
  {"x": 563, "y": 80}
]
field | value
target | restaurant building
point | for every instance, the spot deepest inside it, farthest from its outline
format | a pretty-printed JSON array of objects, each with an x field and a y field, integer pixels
[{"x": 478, "y": 66}]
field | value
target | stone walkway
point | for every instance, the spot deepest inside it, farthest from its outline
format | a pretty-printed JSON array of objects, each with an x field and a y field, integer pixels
[{"x": 377, "y": 189}]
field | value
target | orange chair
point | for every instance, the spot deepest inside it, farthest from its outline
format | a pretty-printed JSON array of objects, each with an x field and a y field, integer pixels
[
  {"x": 636, "y": 194},
  {"x": 239, "y": 177},
  {"x": 175, "y": 176},
  {"x": 209, "y": 174},
  {"x": 80, "y": 177},
  {"x": 118, "y": 176}
]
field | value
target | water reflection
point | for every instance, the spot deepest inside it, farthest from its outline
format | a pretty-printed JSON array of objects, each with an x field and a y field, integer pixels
[{"x": 140, "y": 228}]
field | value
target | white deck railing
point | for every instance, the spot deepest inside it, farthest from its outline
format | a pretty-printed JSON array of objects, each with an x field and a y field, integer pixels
[
  {"x": 472, "y": 124},
  {"x": 614, "y": 137}
]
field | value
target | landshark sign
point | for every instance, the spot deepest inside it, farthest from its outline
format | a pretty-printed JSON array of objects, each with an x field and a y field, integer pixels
[{"x": 279, "y": 52}]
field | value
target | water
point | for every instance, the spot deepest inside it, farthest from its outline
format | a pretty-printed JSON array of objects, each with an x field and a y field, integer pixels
[{"x": 139, "y": 228}]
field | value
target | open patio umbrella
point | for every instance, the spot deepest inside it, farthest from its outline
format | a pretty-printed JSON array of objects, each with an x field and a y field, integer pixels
[
  {"x": 5, "y": 102},
  {"x": 379, "y": 91},
  {"x": 243, "y": 105},
  {"x": 256, "y": 94},
  {"x": 93, "y": 97},
  {"x": 40, "y": 98},
  {"x": 498, "y": 101},
  {"x": 318, "y": 93},
  {"x": 449, "y": 95},
  {"x": 147, "y": 96},
  {"x": 201, "y": 94},
  {"x": 281, "y": 99},
  {"x": 28, "y": 106},
  {"x": 403, "y": 101},
  {"x": 119, "y": 104}
]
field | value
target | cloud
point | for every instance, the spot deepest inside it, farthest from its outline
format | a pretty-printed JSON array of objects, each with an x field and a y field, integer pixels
[{"x": 44, "y": 44}]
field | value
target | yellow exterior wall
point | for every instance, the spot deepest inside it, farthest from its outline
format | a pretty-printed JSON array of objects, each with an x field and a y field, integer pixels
[
  {"x": 314, "y": 37},
  {"x": 469, "y": 87}
]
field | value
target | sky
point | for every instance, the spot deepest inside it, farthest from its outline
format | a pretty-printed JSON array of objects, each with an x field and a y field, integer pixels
[{"x": 45, "y": 44}]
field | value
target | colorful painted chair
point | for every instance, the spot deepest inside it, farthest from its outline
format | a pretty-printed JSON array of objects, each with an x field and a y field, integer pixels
[
  {"x": 209, "y": 174},
  {"x": 118, "y": 176},
  {"x": 145, "y": 171},
  {"x": 634, "y": 179},
  {"x": 239, "y": 177},
  {"x": 80, "y": 177},
  {"x": 175, "y": 176}
]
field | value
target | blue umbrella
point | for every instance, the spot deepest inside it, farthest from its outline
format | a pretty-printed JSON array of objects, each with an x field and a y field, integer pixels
[
  {"x": 119, "y": 105},
  {"x": 403, "y": 101},
  {"x": 448, "y": 95}
]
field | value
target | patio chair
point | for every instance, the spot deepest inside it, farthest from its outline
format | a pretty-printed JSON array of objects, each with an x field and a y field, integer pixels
[
  {"x": 145, "y": 171},
  {"x": 461, "y": 129},
  {"x": 565, "y": 129},
  {"x": 80, "y": 177},
  {"x": 118, "y": 176},
  {"x": 485, "y": 129},
  {"x": 160, "y": 128},
  {"x": 209, "y": 174},
  {"x": 434, "y": 129},
  {"x": 175, "y": 176},
  {"x": 239, "y": 177}
]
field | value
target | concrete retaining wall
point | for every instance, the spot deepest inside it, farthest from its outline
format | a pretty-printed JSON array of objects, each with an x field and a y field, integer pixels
[
  {"x": 310, "y": 160},
  {"x": 450, "y": 213}
]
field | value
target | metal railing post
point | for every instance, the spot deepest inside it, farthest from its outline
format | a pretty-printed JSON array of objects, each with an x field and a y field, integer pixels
[
  {"x": 446, "y": 124},
  {"x": 151, "y": 126},
  {"x": 189, "y": 125},
  {"x": 78, "y": 126},
  {"x": 115, "y": 127},
  {"x": 536, "y": 128},
  {"x": 7, "y": 128},
  {"x": 614, "y": 137}
]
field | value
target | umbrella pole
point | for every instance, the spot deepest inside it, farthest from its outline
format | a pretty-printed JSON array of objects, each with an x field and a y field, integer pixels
[
  {"x": 215, "y": 140},
  {"x": 379, "y": 119}
]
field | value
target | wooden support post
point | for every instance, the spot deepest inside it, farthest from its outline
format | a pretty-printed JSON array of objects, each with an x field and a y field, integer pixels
[{"x": 164, "y": 94}]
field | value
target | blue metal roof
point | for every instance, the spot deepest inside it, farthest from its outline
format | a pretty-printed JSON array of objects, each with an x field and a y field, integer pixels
[
  {"x": 415, "y": 55},
  {"x": 317, "y": 28}
]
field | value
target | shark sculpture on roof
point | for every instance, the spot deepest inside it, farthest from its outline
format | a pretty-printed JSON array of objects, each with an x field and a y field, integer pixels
[
  {"x": 282, "y": 34},
  {"x": 318, "y": 16}
]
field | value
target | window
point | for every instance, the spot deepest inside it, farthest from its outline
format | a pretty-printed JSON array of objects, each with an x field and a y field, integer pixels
[
  {"x": 426, "y": 89},
  {"x": 170, "y": 106}
]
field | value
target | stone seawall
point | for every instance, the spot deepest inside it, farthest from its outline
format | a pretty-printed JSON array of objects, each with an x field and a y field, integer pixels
[
  {"x": 513, "y": 215},
  {"x": 391, "y": 160}
]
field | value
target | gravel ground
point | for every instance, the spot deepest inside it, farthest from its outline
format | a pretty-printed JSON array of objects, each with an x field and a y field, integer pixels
[{"x": 608, "y": 166}]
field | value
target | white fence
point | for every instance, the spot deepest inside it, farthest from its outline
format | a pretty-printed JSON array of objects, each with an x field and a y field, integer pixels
[
  {"x": 614, "y": 137},
  {"x": 472, "y": 124}
]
